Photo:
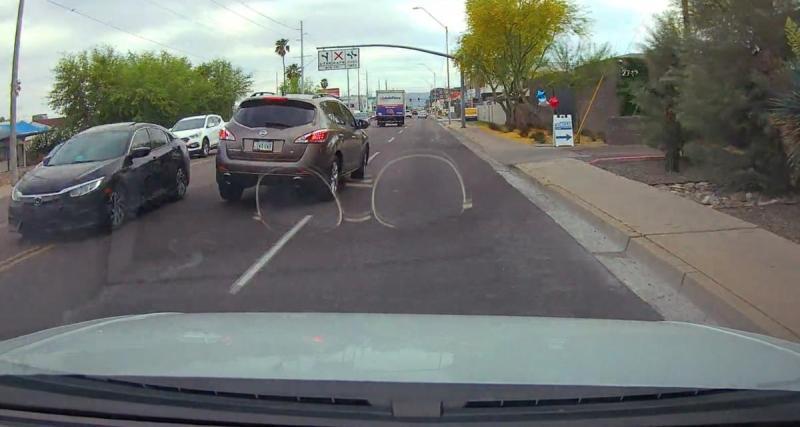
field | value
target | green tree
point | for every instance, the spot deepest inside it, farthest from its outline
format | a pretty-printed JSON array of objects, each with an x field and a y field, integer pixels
[
  {"x": 518, "y": 33},
  {"x": 733, "y": 66},
  {"x": 102, "y": 86},
  {"x": 282, "y": 48},
  {"x": 658, "y": 98},
  {"x": 293, "y": 72},
  {"x": 786, "y": 115},
  {"x": 323, "y": 83},
  {"x": 576, "y": 64}
]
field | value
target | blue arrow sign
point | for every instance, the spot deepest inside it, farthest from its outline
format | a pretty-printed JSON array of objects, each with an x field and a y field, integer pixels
[{"x": 564, "y": 137}]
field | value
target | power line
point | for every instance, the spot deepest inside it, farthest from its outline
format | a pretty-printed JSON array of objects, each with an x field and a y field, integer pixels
[
  {"x": 110, "y": 25},
  {"x": 267, "y": 17},
  {"x": 240, "y": 15},
  {"x": 180, "y": 15}
]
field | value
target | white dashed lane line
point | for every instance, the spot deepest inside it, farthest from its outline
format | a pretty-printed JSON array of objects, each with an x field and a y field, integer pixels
[
  {"x": 390, "y": 140},
  {"x": 374, "y": 155}
]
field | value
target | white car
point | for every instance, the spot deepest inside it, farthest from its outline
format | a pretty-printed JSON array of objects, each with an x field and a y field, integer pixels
[
  {"x": 422, "y": 114},
  {"x": 199, "y": 133}
]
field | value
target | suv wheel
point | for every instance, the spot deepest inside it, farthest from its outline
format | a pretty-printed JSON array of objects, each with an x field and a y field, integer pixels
[
  {"x": 230, "y": 192},
  {"x": 359, "y": 173},
  {"x": 331, "y": 187}
]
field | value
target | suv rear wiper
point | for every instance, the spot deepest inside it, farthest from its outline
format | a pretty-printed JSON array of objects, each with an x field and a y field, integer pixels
[{"x": 276, "y": 124}]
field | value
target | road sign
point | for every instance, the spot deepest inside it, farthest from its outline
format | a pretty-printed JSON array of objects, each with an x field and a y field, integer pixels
[
  {"x": 562, "y": 130},
  {"x": 332, "y": 91},
  {"x": 338, "y": 59}
]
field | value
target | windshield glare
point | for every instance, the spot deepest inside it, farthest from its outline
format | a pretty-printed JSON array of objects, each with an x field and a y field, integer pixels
[
  {"x": 188, "y": 124},
  {"x": 91, "y": 147},
  {"x": 289, "y": 114}
]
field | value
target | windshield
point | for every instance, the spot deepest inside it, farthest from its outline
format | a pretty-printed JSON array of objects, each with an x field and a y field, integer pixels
[
  {"x": 487, "y": 193},
  {"x": 189, "y": 124},
  {"x": 91, "y": 147},
  {"x": 290, "y": 114}
]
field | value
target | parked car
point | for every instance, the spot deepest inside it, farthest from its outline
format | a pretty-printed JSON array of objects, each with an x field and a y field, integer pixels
[
  {"x": 200, "y": 133},
  {"x": 408, "y": 114},
  {"x": 423, "y": 114},
  {"x": 304, "y": 140},
  {"x": 100, "y": 176},
  {"x": 361, "y": 115}
]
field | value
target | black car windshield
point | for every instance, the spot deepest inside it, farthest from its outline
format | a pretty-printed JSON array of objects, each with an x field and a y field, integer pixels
[
  {"x": 91, "y": 147},
  {"x": 285, "y": 115},
  {"x": 187, "y": 124}
]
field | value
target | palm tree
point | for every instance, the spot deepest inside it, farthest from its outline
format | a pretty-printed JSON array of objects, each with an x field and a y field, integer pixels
[
  {"x": 293, "y": 72},
  {"x": 324, "y": 83},
  {"x": 282, "y": 48}
]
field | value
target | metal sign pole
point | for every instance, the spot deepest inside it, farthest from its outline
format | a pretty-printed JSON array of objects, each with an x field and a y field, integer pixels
[{"x": 12, "y": 138}]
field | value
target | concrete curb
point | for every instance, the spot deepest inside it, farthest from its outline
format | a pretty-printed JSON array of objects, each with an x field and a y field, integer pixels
[{"x": 719, "y": 303}]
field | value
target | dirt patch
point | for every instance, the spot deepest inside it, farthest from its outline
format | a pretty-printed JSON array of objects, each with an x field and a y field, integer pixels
[
  {"x": 652, "y": 172},
  {"x": 781, "y": 219},
  {"x": 780, "y": 215}
]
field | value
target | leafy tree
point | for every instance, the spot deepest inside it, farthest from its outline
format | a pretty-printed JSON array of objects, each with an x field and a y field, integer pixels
[
  {"x": 733, "y": 66},
  {"x": 293, "y": 72},
  {"x": 786, "y": 116},
  {"x": 576, "y": 64},
  {"x": 282, "y": 48},
  {"x": 102, "y": 86},
  {"x": 323, "y": 83},
  {"x": 659, "y": 96},
  {"x": 518, "y": 33},
  {"x": 44, "y": 142}
]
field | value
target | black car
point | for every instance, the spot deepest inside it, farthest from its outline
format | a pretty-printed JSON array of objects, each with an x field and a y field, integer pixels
[{"x": 99, "y": 177}]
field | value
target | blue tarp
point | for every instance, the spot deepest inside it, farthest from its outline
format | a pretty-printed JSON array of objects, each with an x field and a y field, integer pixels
[{"x": 23, "y": 129}]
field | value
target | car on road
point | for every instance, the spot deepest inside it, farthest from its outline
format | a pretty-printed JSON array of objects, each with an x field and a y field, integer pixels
[
  {"x": 422, "y": 114},
  {"x": 100, "y": 176},
  {"x": 409, "y": 114},
  {"x": 200, "y": 133},
  {"x": 361, "y": 115},
  {"x": 309, "y": 141}
]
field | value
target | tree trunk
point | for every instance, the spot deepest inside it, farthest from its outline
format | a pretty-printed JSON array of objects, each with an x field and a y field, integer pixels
[
  {"x": 283, "y": 86},
  {"x": 685, "y": 13}
]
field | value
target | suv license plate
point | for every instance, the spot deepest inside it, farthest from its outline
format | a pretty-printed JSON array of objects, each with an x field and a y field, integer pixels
[{"x": 262, "y": 146}]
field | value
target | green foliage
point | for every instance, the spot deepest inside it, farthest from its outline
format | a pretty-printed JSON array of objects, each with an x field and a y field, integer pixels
[
  {"x": 786, "y": 110},
  {"x": 576, "y": 64},
  {"x": 103, "y": 86},
  {"x": 539, "y": 137},
  {"x": 633, "y": 75},
  {"x": 44, "y": 142},
  {"x": 507, "y": 41},
  {"x": 323, "y": 83},
  {"x": 658, "y": 97}
]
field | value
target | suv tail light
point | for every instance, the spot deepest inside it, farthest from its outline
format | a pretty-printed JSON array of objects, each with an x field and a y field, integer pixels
[
  {"x": 226, "y": 135},
  {"x": 316, "y": 137}
]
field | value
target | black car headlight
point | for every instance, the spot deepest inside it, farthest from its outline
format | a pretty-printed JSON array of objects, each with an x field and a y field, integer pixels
[{"x": 85, "y": 188}]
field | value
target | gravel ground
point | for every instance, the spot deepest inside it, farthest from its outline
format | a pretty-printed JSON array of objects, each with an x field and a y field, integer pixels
[
  {"x": 780, "y": 218},
  {"x": 652, "y": 172}
]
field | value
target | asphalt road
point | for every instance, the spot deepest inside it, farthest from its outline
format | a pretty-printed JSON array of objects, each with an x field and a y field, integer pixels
[{"x": 432, "y": 229}]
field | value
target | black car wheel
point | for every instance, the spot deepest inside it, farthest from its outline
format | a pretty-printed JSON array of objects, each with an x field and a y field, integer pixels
[
  {"x": 230, "y": 192},
  {"x": 181, "y": 185},
  {"x": 117, "y": 208},
  {"x": 206, "y": 148},
  {"x": 328, "y": 191},
  {"x": 359, "y": 173}
]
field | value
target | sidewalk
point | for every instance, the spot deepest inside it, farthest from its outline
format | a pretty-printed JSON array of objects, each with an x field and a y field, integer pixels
[{"x": 744, "y": 276}]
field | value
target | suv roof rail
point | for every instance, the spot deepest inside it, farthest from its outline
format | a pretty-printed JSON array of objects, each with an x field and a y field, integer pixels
[{"x": 262, "y": 94}]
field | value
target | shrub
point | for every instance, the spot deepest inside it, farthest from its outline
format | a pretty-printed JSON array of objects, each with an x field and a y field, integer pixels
[
  {"x": 44, "y": 142},
  {"x": 539, "y": 137},
  {"x": 524, "y": 131},
  {"x": 494, "y": 126}
]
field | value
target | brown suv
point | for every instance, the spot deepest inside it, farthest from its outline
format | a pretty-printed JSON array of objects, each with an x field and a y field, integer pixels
[{"x": 294, "y": 139}]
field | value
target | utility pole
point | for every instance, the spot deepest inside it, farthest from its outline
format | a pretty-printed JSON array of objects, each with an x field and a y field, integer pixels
[
  {"x": 12, "y": 138},
  {"x": 358, "y": 87},
  {"x": 277, "y": 84},
  {"x": 386, "y": 85},
  {"x": 366, "y": 82},
  {"x": 302, "y": 60},
  {"x": 349, "y": 100},
  {"x": 447, "y": 51}
]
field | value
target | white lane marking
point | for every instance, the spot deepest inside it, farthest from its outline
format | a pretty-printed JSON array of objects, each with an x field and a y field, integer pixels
[
  {"x": 364, "y": 218},
  {"x": 261, "y": 262},
  {"x": 390, "y": 140},
  {"x": 359, "y": 184},
  {"x": 374, "y": 155},
  {"x": 401, "y": 131}
]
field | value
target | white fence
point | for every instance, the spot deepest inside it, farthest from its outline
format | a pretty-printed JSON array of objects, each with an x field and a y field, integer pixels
[{"x": 491, "y": 113}]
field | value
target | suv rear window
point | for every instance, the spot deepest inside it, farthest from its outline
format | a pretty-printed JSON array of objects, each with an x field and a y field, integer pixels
[{"x": 260, "y": 113}]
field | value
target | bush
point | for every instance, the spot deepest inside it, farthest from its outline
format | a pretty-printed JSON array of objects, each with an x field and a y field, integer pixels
[
  {"x": 589, "y": 134},
  {"x": 494, "y": 126},
  {"x": 524, "y": 131},
  {"x": 539, "y": 137},
  {"x": 44, "y": 142}
]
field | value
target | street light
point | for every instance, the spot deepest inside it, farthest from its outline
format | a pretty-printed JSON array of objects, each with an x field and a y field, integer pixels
[{"x": 447, "y": 51}]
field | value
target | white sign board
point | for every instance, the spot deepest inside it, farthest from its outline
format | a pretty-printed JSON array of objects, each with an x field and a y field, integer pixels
[
  {"x": 562, "y": 131},
  {"x": 338, "y": 59}
]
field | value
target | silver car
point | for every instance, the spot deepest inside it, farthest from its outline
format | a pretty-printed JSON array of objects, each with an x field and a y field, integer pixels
[{"x": 308, "y": 141}]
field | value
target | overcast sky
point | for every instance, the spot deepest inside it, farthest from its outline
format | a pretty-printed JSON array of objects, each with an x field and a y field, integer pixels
[{"x": 232, "y": 29}]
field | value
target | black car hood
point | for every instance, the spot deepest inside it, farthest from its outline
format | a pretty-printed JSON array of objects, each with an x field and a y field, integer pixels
[{"x": 52, "y": 179}]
